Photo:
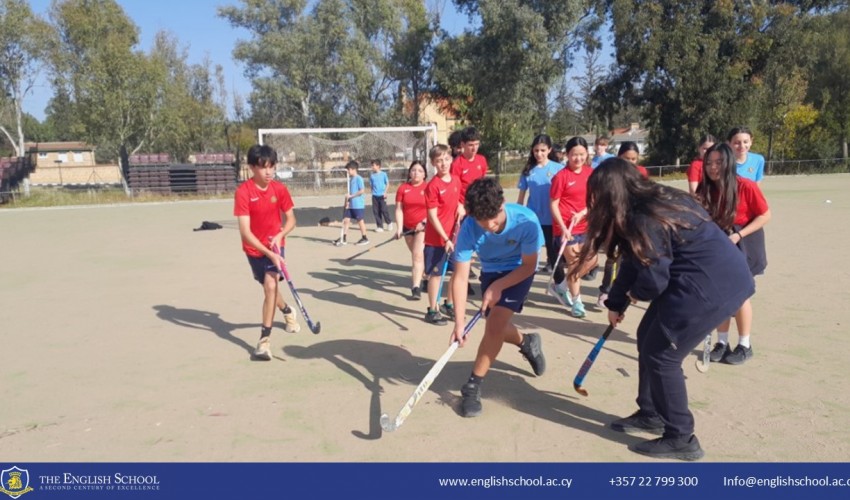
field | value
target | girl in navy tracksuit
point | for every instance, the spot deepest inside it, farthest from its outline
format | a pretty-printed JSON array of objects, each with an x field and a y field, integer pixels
[{"x": 678, "y": 259}]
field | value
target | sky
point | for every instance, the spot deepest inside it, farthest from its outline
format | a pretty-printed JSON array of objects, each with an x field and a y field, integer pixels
[
  {"x": 204, "y": 34},
  {"x": 201, "y": 31}
]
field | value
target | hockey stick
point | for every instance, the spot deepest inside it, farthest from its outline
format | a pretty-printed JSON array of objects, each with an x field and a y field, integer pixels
[
  {"x": 564, "y": 243},
  {"x": 342, "y": 222},
  {"x": 585, "y": 367},
  {"x": 423, "y": 386},
  {"x": 702, "y": 364},
  {"x": 281, "y": 265},
  {"x": 406, "y": 233},
  {"x": 446, "y": 265}
]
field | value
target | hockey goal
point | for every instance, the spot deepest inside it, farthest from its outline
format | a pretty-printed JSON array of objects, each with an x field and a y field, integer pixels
[{"x": 314, "y": 159}]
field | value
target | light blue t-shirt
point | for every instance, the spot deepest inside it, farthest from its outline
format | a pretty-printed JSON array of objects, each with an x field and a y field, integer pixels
[
  {"x": 599, "y": 159},
  {"x": 752, "y": 168},
  {"x": 503, "y": 251},
  {"x": 356, "y": 184},
  {"x": 379, "y": 182},
  {"x": 537, "y": 183}
]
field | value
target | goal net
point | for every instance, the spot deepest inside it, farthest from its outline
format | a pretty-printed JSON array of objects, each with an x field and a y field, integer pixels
[{"x": 315, "y": 159}]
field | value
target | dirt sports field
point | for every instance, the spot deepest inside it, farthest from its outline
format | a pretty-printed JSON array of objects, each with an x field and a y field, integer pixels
[{"x": 126, "y": 336}]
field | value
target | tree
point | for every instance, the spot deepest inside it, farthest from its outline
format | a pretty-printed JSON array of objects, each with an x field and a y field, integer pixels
[
  {"x": 332, "y": 65},
  {"x": 506, "y": 69},
  {"x": 109, "y": 87},
  {"x": 189, "y": 111},
  {"x": 692, "y": 65},
  {"x": 830, "y": 85},
  {"x": 24, "y": 40}
]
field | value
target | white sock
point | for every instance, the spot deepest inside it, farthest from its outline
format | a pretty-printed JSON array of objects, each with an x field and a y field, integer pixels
[
  {"x": 744, "y": 341},
  {"x": 577, "y": 298},
  {"x": 562, "y": 286},
  {"x": 723, "y": 337}
]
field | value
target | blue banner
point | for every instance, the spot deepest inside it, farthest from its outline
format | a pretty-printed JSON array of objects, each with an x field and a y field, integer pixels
[{"x": 538, "y": 481}]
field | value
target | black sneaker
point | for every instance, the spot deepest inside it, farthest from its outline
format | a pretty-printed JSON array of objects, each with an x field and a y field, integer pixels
[
  {"x": 363, "y": 241},
  {"x": 719, "y": 353},
  {"x": 678, "y": 448},
  {"x": 532, "y": 351},
  {"x": 639, "y": 422},
  {"x": 471, "y": 404},
  {"x": 415, "y": 293},
  {"x": 340, "y": 242},
  {"x": 739, "y": 355},
  {"x": 435, "y": 318},
  {"x": 447, "y": 309}
]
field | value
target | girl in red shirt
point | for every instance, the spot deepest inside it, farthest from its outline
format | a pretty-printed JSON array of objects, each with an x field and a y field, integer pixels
[
  {"x": 568, "y": 201},
  {"x": 695, "y": 170},
  {"x": 738, "y": 206},
  {"x": 410, "y": 214}
]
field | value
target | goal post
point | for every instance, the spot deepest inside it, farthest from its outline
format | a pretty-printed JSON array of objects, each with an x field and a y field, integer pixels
[{"x": 314, "y": 158}]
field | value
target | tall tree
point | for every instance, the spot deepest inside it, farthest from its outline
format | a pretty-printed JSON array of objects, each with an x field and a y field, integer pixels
[
  {"x": 830, "y": 85},
  {"x": 506, "y": 69},
  {"x": 324, "y": 63},
  {"x": 691, "y": 65},
  {"x": 111, "y": 87},
  {"x": 24, "y": 40}
]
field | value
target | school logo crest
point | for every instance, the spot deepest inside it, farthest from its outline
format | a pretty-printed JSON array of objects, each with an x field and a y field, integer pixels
[
  {"x": 274, "y": 199},
  {"x": 15, "y": 482}
]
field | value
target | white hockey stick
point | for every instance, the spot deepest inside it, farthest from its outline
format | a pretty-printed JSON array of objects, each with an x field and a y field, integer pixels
[{"x": 423, "y": 386}]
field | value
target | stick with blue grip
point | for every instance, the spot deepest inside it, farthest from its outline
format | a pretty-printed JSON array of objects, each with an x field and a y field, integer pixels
[{"x": 585, "y": 367}]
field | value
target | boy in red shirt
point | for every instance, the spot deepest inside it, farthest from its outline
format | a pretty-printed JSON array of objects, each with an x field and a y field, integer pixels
[
  {"x": 259, "y": 202},
  {"x": 442, "y": 199},
  {"x": 469, "y": 165}
]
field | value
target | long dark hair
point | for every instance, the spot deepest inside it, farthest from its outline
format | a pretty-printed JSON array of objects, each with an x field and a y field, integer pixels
[
  {"x": 616, "y": 194},
  {"x": 532, "y": 162},
  {"x": 720, "y": 198},
  {"x": 413, "y": 164}
]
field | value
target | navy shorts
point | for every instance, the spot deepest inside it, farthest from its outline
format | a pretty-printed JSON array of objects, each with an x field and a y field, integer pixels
[
  {"x": 354, "y": 213},
  {"x": 260, "y": 266},
  {"x": 434, "y": 260},
  {"x": 512, "y": 298},
  {"x": 578, "y": 239}
]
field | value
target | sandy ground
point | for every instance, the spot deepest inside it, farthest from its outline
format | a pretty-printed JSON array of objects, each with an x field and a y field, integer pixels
[{"x": 126, "y": 336}]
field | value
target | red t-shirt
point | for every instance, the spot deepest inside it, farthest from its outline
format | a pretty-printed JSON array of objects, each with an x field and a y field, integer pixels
[
  {"x": 751, "y": 202},
  {"x": 695, "y": 171},
  {"x": 445, "y": 197},
  {"x": 570, "y": 189},
  {"x": 264, "y": 207},
  {"x": 412, "y": 199},
  {"x": 467, "y": 171}
]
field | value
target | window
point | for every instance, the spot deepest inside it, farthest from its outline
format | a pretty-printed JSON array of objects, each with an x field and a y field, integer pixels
[
  {"x": 63, "y": 157},
  {"x": 42, "y": 156},
  {"x": 78, "y": 157}
]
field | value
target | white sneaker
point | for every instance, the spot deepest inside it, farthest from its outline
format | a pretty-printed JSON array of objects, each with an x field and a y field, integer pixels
[
  {"x": 391, "y": 226},
  {"x": 291, "y": 322},
  {"x": 380, "y": 230},
  {"x": 561, "y": 296},
  {"x": 264, "y": 349}
]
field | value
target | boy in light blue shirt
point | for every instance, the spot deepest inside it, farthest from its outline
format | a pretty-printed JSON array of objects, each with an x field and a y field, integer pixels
[
  {"x": 380, "y": 183},
  {"x": 354, "y": 205},
  {"x": 507, "y": 238}
]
